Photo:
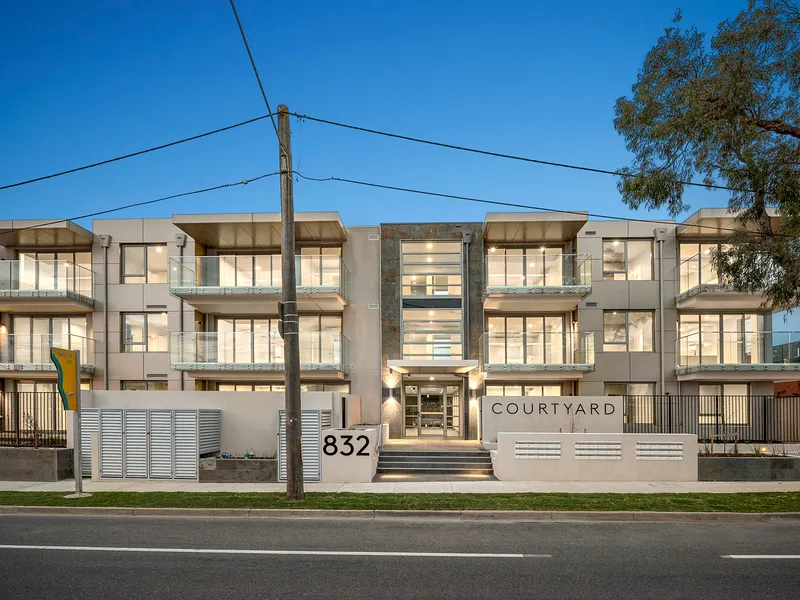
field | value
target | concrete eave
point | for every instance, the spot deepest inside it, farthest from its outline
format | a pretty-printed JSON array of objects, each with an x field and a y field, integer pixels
[
  {"x": 41, "y": 233},
  {"x": 432, "y": 367},
  {"x": 532, "y": 227},
  {"x": 707, "y": 223},
  {"x": 260, "y": 230}
]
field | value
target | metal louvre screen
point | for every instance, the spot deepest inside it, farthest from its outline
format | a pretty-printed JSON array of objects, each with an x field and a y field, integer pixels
[
  {"x": 111, "y": 443},
  {"x": 659, "y": 451},
  {"x": 209, "y": 431},
  {"x": 311, "y": 429},
  {"x": 90, "y": 423},
  {"x": 135, "y": 443},
  {"x": 598, "y": 450},
  {"x": 160, "y": 444},
  {"x": 533, "y": 450},
  {"x": 185, "y": 428}
]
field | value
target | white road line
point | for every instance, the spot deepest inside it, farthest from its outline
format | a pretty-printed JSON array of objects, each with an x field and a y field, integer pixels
[
  {"x": 272, "y": 552},
  {"x": 761, "y": 556}
]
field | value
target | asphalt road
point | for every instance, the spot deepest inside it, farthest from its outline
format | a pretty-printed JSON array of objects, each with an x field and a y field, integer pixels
[{"x": 518, "y": 560}]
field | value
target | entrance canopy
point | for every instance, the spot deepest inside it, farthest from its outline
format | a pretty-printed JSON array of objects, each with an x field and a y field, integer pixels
[{"x": 432, "y": 367}]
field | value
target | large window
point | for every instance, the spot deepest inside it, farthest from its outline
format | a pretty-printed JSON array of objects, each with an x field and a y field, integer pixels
[
  {"x": 628, "y": 259},
  {"x": 320, "y": 267},
  {"x": 720, "y": 339},
  {"x": 551, "y": 389},
  {"x": 525, "y": 267},
  {"x": 343, "y": 388},
  {"x": 145, "y": 386},
  {"x": 34, "y": 336},
  {"x": 627, "y": 331},
  {"x": 727, "y": 403},
  {"x": 144, "y": 332},
  {"x": 640, "y": 401},
  {"x": 146, "y": 263},
  {"x": 56, "y": 271},
  {"x": 695, "y": 266},
  {"x": 431, "y": 269},
  {"x": 246, "y": 340},
  {"x": 431, "y": 334},
  {"x": 526, "y": 340}
]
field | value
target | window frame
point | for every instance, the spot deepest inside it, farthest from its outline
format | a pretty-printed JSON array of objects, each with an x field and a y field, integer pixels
[
  {"x": 124, "y": 275},
  {"x": 627, "y": 341},
  {"x": 147, "y": 385},
  {"x": 719, "y": 416},
  {"x": 634, "y": 403},
  {"x": 526, "y": 384},
  {"x": 626, "y": 269},
  {"x": 417, "y": 270},
  {"x": 146, "y": 332}
]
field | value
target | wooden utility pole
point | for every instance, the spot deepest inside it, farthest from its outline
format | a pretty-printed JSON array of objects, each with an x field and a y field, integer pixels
[{"x": 290, "y": 321}]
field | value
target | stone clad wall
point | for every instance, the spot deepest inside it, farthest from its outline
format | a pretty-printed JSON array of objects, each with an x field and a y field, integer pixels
[
  {"x": 736, "y": 468},
  {"x": 238, "y": 470},
  {"x": 36, "y": 464}
]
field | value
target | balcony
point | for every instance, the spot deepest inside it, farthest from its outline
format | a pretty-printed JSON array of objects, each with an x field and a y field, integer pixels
[
  {"x": 26, "y": 354},
  {"x": 528, "y": 355},
  {"x": 536, "y": 281},
  {"x": 254, "y": 356},
  {"x": 251, "y": 285},
  {"x": 700, "y": 288},
  {"x": 45, "y": 286},
  {"x": 738, "y": 356}
]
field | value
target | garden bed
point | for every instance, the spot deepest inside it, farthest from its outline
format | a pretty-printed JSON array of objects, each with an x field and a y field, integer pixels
[
  {"x": 238, "y": 470},
  {"x": 748, "y": 468}
]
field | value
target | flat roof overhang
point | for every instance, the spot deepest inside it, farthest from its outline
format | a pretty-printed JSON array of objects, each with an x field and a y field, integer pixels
[
  {"x": 260, "y": 230},
  {"x": 536, "y": 372},
  {"x": 37, "y": 370},
  {"x": 740, "y": 372},
  {"x": 257, "y": 301},
  {"x": 710, "y": 296},
  {"x": 266, "y": 372},
  {"x": 41, "y": 233},
  {"x": 44, "y": 301},
  {"x": 432, "y": 367},
  {"x": 532, "y": 227},
  {"x": 707, "y": 223},
  {"x": 547, "y": 299}
]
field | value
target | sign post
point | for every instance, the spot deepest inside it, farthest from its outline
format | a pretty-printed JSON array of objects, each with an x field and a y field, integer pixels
[{"x": 68, "y": 367}]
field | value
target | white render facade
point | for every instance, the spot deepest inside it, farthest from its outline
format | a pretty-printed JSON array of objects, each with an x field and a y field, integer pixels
[{"x": 418, "y": 320}]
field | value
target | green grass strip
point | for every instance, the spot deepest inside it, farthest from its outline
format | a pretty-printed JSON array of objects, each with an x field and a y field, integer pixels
[{"x": 739, "y": 502}]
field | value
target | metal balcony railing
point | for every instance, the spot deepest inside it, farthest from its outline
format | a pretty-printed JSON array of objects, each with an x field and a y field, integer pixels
[
  {"x": 536, "y": 349},
  {"x": 249, "y": 350},
  {"x": 320, "y": 273},
  {"x": 738, "y": 348},
  {"x": 34, "y": 349},
  {"x": 538, "y": 270},
  {"x": 30, "y": 276}
]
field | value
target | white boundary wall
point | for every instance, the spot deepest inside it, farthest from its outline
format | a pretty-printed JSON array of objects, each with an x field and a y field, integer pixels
[
  {"x": 249, "y": 419},
  {"x": 595, "y": 457},
  {"x": 353, "y": 457}
]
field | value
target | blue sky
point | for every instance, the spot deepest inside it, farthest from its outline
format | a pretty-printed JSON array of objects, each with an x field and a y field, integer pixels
[{"x": 80, "y": 82}]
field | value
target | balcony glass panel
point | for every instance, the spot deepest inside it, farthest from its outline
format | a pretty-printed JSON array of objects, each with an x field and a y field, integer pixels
[
  {"x": 34, "y": 348},
  {"x": 29, "y": 274},
  {"x": 547, "y": 346},
  {"x": 536, "y": 267}
]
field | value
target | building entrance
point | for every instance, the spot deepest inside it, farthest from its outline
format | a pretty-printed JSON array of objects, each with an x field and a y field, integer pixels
[{"x": 432, "y": 411}]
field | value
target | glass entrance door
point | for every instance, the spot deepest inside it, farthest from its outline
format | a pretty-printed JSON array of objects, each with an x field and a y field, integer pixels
[{"x": 432, "y": 411}]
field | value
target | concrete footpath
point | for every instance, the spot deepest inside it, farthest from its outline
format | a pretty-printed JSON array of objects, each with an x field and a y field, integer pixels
[{"x": 416, "y": 487}]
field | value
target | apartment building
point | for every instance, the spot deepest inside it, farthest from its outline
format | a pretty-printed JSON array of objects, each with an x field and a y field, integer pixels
[{"x": 418, "y": 319}]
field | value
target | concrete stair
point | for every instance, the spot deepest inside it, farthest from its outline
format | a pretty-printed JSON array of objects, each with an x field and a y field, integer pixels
[{"x": 455, "y": 462}]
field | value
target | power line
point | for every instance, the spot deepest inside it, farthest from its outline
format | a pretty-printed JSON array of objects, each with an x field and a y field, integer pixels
[
  {"x": 510, "y": 204},
  {"x": 146, "y": 202},
  {"x": 258, "y": 78},
  {"x": 132, "y": 154},
  {"x": 497, "y": 154}
]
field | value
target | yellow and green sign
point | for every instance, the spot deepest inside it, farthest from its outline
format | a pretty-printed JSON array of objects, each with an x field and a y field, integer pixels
[{"x": 66, "y": 362}]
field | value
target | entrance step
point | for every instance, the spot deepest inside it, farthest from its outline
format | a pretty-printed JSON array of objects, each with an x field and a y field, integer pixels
[{"x": 457, "y": 462}]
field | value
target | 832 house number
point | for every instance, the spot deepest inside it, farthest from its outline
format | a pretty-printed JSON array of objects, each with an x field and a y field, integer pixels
[{"x": 331, "y": 448}]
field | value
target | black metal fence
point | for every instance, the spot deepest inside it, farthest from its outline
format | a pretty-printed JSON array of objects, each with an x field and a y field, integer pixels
[
  {"x": 716, "y": 418},
  {"x": 34, "y": 419}
]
